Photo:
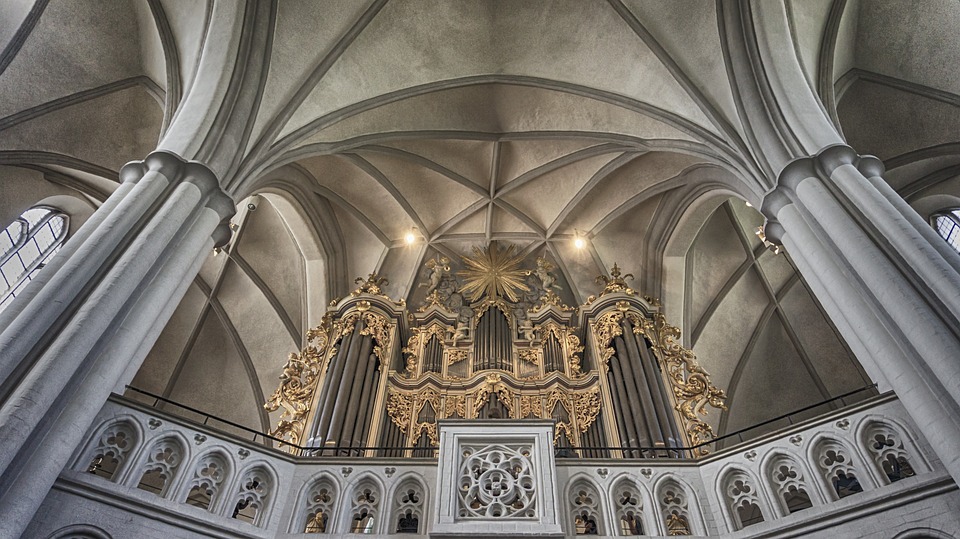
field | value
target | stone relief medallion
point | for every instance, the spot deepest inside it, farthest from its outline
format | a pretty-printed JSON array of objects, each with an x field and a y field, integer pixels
[{"x": 496, "y": 481}]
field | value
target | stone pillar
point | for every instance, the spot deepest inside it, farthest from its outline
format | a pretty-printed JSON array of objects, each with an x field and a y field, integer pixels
[
  {"x": 93, "y": 313},
  {"x": 884, "y": 276}
]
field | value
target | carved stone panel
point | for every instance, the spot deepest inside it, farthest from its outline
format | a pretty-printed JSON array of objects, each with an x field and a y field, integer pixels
[{"x": 496, "y": 478}]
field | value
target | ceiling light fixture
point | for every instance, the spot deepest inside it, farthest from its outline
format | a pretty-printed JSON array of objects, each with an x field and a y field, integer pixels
[
  {"x": 411, "y": 236},
  {"x": 578, "y": 241}
]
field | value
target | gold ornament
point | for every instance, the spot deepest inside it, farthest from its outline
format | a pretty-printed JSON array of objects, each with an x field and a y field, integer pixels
[{"x": 493, "y": 272}]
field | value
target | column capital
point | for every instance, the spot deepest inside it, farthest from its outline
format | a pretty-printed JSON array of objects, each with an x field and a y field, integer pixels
[
  {"x": 819, "y": 165},
  {"x": 177, "y": 170}
]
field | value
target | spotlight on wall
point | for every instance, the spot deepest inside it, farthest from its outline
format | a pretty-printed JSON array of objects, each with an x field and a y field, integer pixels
[
  {"x": 749, "y": 205},
  {"x": 578, "y": 240},
  {"x": 411, "y": 236}
]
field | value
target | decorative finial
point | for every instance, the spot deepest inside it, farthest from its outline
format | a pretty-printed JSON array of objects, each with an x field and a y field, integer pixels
[
  {"x": 616, "y": 282},
  {"x": 370, "y": 285}
]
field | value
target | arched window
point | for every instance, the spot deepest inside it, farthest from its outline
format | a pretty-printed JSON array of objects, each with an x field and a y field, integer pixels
[
  {"x": 673, "y": 508},
  {"x": 885, "y": 445},
  {"x": 209, "y": 474},
  {"x": 585, "y": 509},
  {"x": 788, "y": 482},
  {"x": 948, "y": 226},
  {"x": 26, "y": 246},
  {"x": 162, "y": 463},
  {"x": 629, "y": 508},
  {"x": 252, "y": 497},
  {"x": 838, "y": 468},
  {"x": 320, "y": 503},
  {"x": 742, "y": 498},
  {"x": 114, "y": 444},
  {"x": 408, "y": 507},
  {"x": 364, "y": 508}
]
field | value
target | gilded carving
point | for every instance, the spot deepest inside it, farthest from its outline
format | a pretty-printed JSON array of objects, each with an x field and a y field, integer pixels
[
  {"x": 691, "y": 384},
  {"x": 298, "y": 383},
  {"x": 416, "y": 343},
  {"x": 615, "y": 283},
  {"x": 400, "y": 409},
  {"x": 586, "y": 406},
  {"x": 455, "y": 406},
  {"x": 456, "y": 356},
  {"x": 530, "y": 355},
  {"x": 493, "y": 384},
  {"x": 530, "y": 406}
]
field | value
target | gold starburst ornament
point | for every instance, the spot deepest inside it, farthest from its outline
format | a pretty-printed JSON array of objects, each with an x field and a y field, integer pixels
[{"x": 493, "y": 271}]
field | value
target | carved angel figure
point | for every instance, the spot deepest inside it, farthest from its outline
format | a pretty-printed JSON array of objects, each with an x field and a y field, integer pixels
[
  {"x": 547, "y": 279},
  {"x": 437, "y": 269}
]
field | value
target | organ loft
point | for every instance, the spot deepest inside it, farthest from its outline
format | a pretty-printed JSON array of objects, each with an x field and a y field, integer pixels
[{"x": 491, "y": 337}]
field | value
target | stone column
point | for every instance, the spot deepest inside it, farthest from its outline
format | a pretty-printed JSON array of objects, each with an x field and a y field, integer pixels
[
  {"x": 94, "y": 313},
  {"x": 884, "y": 276}
]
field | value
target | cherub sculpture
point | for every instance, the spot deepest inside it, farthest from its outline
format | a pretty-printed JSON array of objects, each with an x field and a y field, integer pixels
[
  {"x": 437, "y": 268},
  {"x": 547, "y": 279}
]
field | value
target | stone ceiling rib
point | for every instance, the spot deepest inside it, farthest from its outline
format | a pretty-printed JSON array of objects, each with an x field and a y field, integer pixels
[
  {"x": 277, "y": 123},
  {"x": 555, "y": 164},
  {"x": 23, "y": 32},
  {"x": 696, "y": 95},
  {"x": 80, "y": 97},
  {"x": 425, "y": 163},
  {"x": 598, "y": 177},
  {"x": 458, "y": 218},
  {"x": 168, "y": 42},
  {"x": 334, "y": 197},
  {"x": 660, "y": 187},
  {"x": 385, "y": 182},
  {"x": 521, "y": 216},
  {"x": 252, "y": 274}
]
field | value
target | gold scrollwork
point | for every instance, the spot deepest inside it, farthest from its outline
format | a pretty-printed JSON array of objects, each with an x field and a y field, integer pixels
[
  {"x": 530, "y": 406},
  {"x": 493, "y": 384},
  {"x": 530, "y": 355},
  {"x": 418, "y": 340},
  {"x": 298, "y": 383},
  {"x": 586, "y": 406},
  {"x": 691, "y": 384},
  {"x": 455, "y": 356},
  {"x": 455, "y": 406},
  {"x": 400, "y": 409}
]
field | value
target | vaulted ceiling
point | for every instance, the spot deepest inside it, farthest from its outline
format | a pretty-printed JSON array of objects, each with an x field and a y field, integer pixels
[{"x": 527, "y": 122}]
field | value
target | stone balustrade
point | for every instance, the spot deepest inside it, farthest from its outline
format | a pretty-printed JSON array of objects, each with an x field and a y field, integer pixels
[{"x": 837, "y": 470}]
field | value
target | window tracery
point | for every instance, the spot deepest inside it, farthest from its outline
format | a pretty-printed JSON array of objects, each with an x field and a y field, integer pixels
[
  {"x": 364, "y": 508},
  {"x": 743, "y": 499},
  {"x": 26, "y": 246},
  {"x": 629, "y": 508},
  {"x": 163, "y": 461},
  {"x": 408, "y": 504},
  {"x": 836, "y": 465},
  {"x": 585, "y": 509},
  {"x": 320, "y": 503},
  {"x": 788, "y": 482},
  {"x": 673, "y": 507},
  {"x": 114, "y": 445},
  {"x": 947, "y": 224},
  {"x": 254, "y": 492},
  {"x": 885, "y": 445},
  {"x": 208, "y": 476}
]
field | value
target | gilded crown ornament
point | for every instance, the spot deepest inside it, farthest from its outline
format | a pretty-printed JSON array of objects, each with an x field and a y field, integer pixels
[
  {"x": 371, "y": 285},
  {"x": 616, "y": 282}
]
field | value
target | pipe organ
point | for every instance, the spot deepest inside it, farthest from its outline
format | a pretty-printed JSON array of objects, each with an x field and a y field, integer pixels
[{"x": 494, "y": 340}]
